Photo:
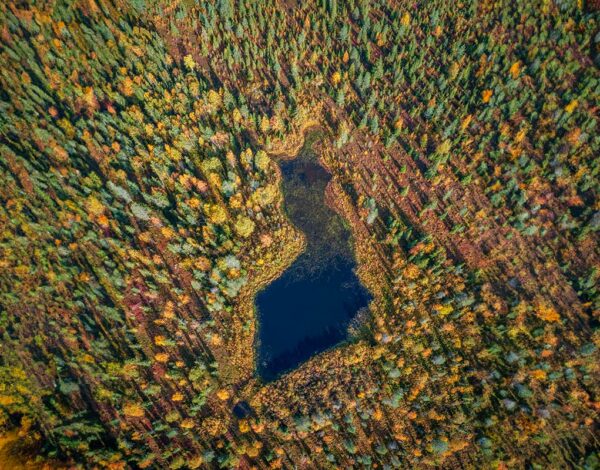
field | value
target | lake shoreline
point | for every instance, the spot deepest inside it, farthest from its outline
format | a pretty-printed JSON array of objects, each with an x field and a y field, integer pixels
[
  {"x": 310, "y": 305},
  {"x": 245, "y": 379}
]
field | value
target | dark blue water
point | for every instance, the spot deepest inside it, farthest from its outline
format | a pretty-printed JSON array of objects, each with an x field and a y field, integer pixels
[{"x": 308, "y": 309}]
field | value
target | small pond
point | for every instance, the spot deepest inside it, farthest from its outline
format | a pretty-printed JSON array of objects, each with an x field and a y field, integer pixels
[{"x": 309, "y": 307}]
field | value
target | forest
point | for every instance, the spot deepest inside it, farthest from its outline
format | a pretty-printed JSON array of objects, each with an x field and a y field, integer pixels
[{"x": 142, "y": 212}]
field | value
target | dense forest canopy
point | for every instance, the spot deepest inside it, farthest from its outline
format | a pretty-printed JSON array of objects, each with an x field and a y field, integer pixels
[{"x": 141, "y": 211}]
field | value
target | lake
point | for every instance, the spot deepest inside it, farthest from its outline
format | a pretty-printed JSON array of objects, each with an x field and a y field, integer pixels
[{"x": 309, "y": 307}]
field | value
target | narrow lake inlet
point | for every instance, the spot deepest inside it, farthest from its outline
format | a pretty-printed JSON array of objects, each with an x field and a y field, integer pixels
[{"x": 309, "y": 307}]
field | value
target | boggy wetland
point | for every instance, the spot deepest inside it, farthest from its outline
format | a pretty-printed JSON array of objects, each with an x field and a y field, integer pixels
[{"x": 309, "y": 307}]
